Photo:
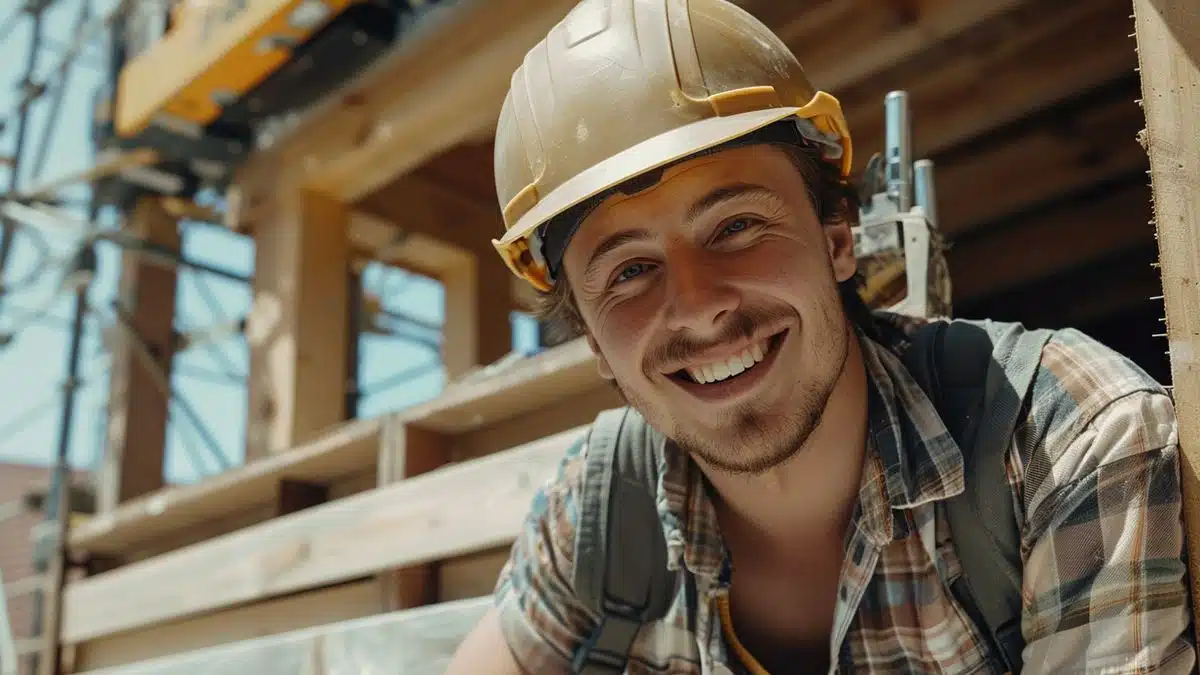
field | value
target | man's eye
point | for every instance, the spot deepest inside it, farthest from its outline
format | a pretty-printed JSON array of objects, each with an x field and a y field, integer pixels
[
  {"x": 630, "y": 271},
  {"x": 736, "y": 227}
]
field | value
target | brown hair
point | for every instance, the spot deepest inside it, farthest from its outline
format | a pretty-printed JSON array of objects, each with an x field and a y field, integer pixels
[{"x": 834, "y": 199}]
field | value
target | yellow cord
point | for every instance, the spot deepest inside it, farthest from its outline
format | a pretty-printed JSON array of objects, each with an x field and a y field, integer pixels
[{"x": 747, "y": 659}]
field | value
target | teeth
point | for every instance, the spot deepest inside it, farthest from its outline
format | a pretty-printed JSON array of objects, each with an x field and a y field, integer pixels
[{"x": 735, "y": 365}]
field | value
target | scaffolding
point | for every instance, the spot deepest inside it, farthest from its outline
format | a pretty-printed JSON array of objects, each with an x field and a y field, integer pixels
[
  {"x": 34, "y": 211},
  {"x": 375, "y": 188}
]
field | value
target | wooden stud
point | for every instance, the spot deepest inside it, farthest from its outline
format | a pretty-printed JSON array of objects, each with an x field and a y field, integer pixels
[
  {"x": 478, "y": 328},
  {"x": 1168, "y": 47},
  {"x": 406, "y": 451},
  {"x": 297, "y": 330},
  {"x": 133, "y": 460}
]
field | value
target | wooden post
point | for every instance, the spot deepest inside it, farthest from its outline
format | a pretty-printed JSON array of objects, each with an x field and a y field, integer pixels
[
  {"x": 1168, "y": 43},
  {"x": 478, "y": 327},
  {"x": 137, "y": 427},
  {"x": 297, "y": 330},
  {"x": 406, "y": 451}
]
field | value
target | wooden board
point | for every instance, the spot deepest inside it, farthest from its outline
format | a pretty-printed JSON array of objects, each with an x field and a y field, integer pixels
[
  {"x": 410, "y": 642},
  {"x": 343, "y": 451},
  {"x": 425, "y": 518},
  {"x": 522, "y": 389},
  {"x": 1033, "y": 58},
  {"x": 444, "y": 81},
  {"x": 1070, "y": 235},
  {"x": 304, "y": 610},
  {"x": 1168, "y": 41}
]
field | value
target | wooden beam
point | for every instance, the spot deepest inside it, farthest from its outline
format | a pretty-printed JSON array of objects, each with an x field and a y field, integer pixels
[
  {"x": 1168, "y": 44},
  {"x": 478, "y": 328},
  {"x": 840, "y": 44},
  {"x": 412, "y": 642},
  {"x": 408, "y": 451},
  {"x": 1075, "y": 297},
  {"x": 297, "y": 330},
  {"x": 139, "y": 411},
  {"x": 521, "y": 390},
  {"x": 1073, "y": 233},
  {"x": 422, "y": 206},
  {"x": 444, "y": 82},
  {"x": 275, "y": 617},
  {"x": 344, "y": 451},
  {"x": 1057, "y": 152},
  {"x": 1036, "y": 57},
  {"x": 412, "y": 522}
]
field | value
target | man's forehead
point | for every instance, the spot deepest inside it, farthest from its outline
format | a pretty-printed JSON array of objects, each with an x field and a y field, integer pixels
[{"x": 675, "y": 193}]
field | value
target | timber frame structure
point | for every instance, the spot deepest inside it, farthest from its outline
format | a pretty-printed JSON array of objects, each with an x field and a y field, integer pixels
[{"x": 377, "y": 541}]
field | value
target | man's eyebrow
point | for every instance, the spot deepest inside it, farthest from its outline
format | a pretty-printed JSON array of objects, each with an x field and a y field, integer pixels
[
  {"x": 727, "y": 193},
  {"x": 613, "y": 242}
]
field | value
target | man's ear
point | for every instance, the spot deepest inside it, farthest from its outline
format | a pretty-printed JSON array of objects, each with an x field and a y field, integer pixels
[
  {"x": 841, "y": 250},
  {"x": 601, "y": 362}
]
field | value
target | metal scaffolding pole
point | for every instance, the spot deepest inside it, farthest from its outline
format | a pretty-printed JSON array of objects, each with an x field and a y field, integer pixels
[{"x": 9, "y": 230}]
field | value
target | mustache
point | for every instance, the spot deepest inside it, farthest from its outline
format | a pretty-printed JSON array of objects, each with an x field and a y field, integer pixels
[{"x": 743, "y": 325}]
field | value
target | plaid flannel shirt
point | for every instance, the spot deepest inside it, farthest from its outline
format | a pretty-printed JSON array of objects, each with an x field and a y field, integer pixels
[{"x": 1094, "y": 471}]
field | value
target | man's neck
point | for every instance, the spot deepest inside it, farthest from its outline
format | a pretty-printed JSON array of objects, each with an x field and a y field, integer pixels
[{"x": 809, "y": 500}]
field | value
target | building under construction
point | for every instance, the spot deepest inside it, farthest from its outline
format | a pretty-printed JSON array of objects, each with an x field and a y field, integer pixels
[{"x": 337, "y": 134}]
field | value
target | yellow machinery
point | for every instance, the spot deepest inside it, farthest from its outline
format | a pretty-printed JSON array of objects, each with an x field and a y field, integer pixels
[{"x": 198, "y": 93}]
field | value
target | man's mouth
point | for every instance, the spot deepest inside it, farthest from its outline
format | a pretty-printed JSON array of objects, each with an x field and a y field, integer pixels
[{"x": 732, "y": 367}]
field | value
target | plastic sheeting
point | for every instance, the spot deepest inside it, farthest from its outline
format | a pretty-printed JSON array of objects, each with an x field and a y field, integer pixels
[{"x": 410, "y": 642}]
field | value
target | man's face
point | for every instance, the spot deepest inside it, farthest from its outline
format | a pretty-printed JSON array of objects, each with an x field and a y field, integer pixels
[{"x": 711, "y": 300}]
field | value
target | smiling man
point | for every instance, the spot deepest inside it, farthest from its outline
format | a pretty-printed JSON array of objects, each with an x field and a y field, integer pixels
[{"x": 679, "y": 193}]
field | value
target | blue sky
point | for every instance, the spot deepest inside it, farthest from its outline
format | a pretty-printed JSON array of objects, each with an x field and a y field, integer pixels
[{"x": 32, "y": 366}]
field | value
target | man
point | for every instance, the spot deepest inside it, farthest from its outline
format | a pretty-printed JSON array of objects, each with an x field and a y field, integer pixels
[{"x": 679, "y": 192}]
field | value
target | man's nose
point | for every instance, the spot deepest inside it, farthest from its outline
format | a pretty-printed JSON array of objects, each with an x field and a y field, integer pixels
[{"x": 699, "y": 297}]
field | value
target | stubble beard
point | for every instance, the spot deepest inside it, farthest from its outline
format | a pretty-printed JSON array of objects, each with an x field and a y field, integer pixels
[{"x": 762, "y": 439}]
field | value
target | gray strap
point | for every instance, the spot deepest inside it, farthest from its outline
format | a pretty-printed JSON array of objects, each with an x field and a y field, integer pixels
[
  {"x": 992, "y": 553},
  {"x": 620, "y": 551}
]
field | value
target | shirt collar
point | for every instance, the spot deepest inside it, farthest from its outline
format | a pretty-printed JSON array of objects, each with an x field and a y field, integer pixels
[{"x": 911, "y": 459}]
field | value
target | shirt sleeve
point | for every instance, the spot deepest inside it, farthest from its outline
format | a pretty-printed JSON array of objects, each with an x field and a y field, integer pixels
[
  {"x": 1105, "y": 574},
  {"x": 540, "y": 618}
]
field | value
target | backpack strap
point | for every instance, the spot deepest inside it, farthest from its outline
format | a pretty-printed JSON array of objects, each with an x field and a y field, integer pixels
[
  {"x": 620, "y": 550},
  {"x": 978, "y": 375}
]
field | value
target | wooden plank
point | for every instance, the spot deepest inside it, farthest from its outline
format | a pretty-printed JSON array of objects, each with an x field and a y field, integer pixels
[
  {"x": 342, "y": 451},
  {"x": 412, "y": 522},
  {"x": 840, "y": 44},
  {"x": 1058, "y": 152},
  {"x": 297, "y": 330},
  {"x": 132, "y": 464},
  {"x": 1168, "y": 44},
  {"x": 986, "y": 78},
  {"x": 524, "y": 388},
  {"x": 273, "y": 617},
  {"x": 1072, "y": 234},
  {"x": 411, "y": 642},
  {"x": 445, "y": 80},
  {"x": 1075, "y": 297},
  {"x": 503, "y": 393}
]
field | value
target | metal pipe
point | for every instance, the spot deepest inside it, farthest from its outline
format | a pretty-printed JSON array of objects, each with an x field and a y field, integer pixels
[
  {"x": 354, "y": 317},
  {"x": 898, "y": 150},
  {"x": 7, "y": 227},
  {"x": 923, "y": 187},
  {"x": 56, "y": 504}
]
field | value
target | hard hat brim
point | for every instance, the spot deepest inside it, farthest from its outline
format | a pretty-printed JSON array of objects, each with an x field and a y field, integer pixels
[{"x": 650, "y": 154}]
